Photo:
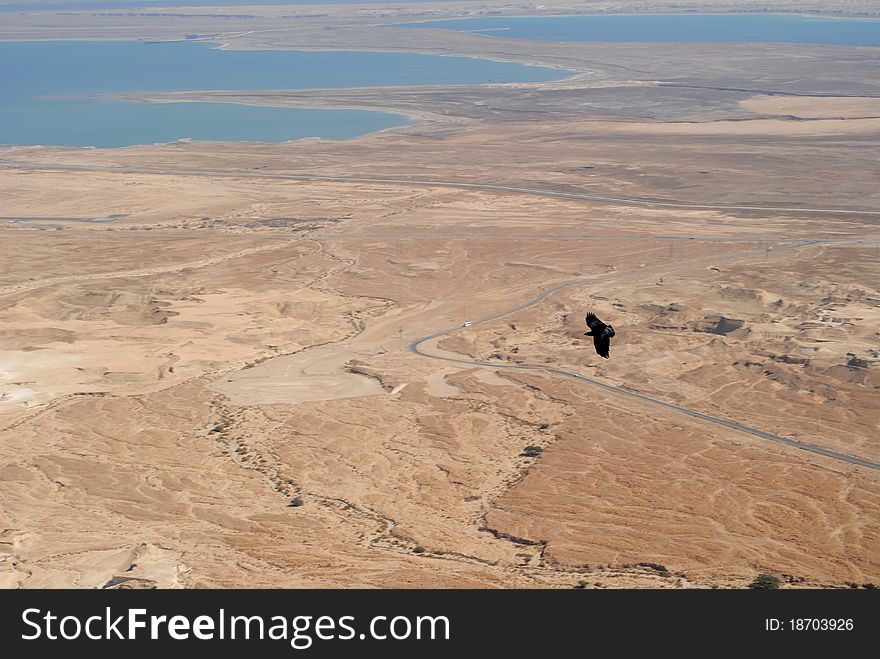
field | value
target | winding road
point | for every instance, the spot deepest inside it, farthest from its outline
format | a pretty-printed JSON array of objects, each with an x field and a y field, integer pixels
[{"x": 418, "y": 347}]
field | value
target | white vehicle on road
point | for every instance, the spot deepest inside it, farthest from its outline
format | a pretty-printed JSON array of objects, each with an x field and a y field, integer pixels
[{"x": 466, "y": 324}]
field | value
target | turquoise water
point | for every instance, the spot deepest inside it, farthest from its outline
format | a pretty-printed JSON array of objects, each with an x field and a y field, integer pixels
[
  {"x": 71, "y": 5},
  {"x": 764, "y": 28},
  {"x": 45, "y": 90}
]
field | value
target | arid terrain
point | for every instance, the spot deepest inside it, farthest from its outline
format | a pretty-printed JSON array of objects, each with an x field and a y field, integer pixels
[{"x": 243, "y": 365}]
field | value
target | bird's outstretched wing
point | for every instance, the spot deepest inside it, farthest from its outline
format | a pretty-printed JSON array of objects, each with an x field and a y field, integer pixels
[
  {"x": 596, "y": 326},
  {"x": 601, "y": 334}
]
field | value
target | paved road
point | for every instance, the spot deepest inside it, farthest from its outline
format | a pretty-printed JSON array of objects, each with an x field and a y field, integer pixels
[
  {"x": 417, "y": 348},
  {"x": 513, "y": 237},
  {"x": 23, "y": 218},
  {"x": 33, "y": 284},
  {"x": 628, "y": 201}
]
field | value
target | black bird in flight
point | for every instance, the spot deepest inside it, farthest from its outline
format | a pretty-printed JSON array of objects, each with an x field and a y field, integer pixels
[{"x": 601, "y": 334}]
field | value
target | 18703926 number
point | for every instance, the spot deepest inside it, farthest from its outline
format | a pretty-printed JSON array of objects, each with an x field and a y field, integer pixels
[{"x": 820, "y": 624}]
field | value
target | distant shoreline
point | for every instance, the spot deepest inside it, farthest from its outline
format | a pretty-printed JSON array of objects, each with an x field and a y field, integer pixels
[
  {"x": 384, "y": 118},
  {"x": 416, "y": 116}
]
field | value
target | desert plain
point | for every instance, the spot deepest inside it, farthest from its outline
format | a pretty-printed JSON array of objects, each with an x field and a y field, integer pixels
[{"x": 244, "y": 365}]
